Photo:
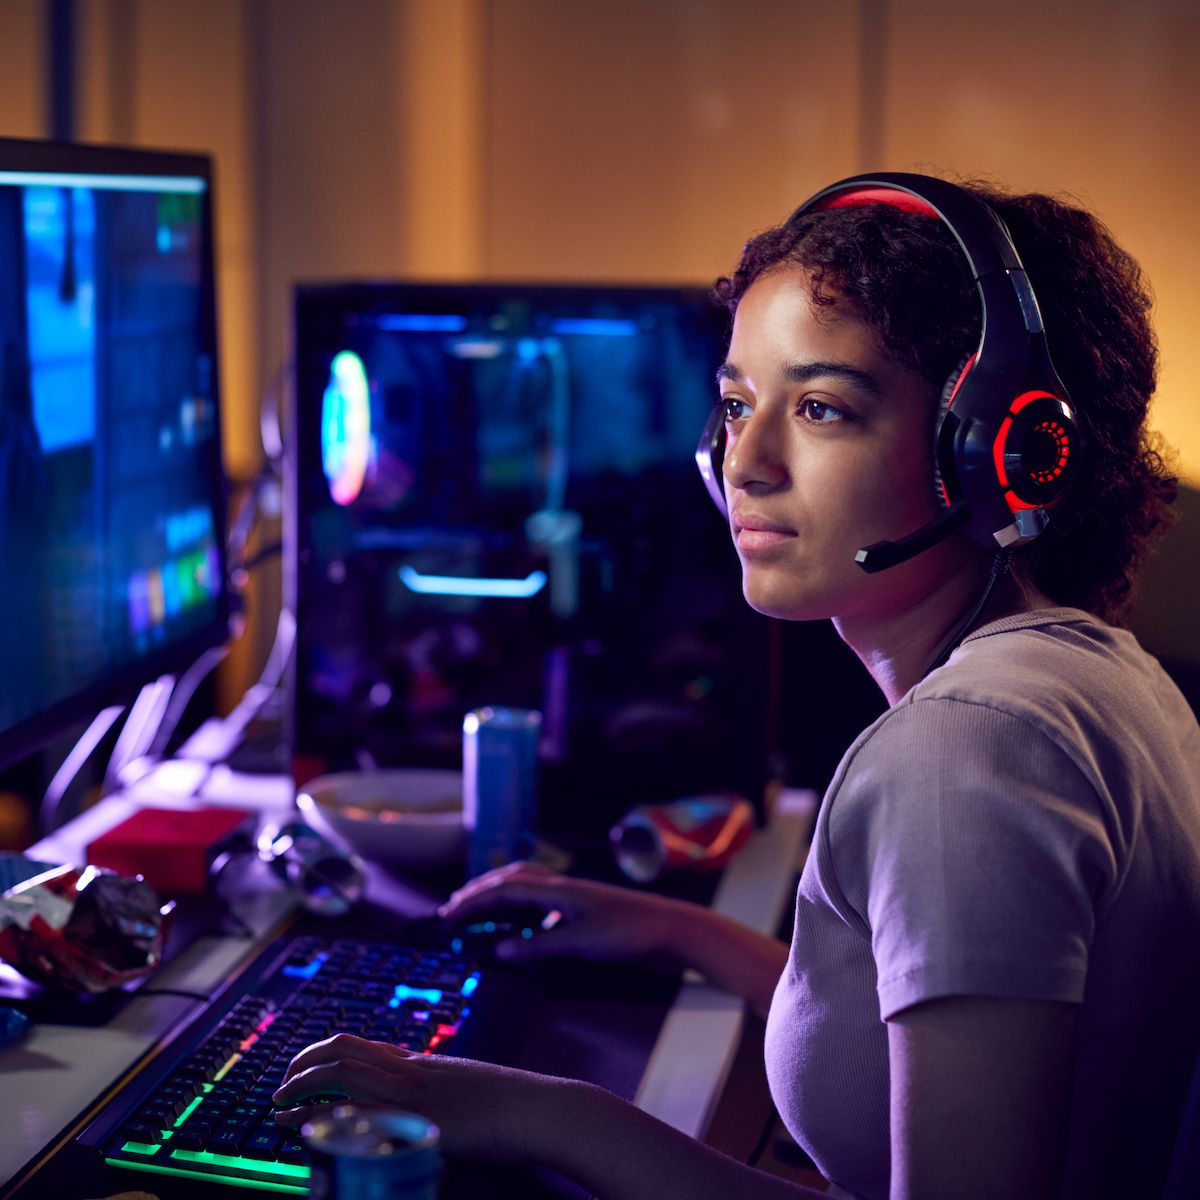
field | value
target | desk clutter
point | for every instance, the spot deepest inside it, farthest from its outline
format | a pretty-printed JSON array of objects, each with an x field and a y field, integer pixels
[
  {"x": 83, "y": 929},
  {"x": 402, "y": 818},
  {"x": 173, "y": 849}
]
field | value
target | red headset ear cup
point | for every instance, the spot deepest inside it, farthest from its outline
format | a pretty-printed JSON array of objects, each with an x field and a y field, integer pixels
[
  {"x": 943, "y": 454},
  {"x": 1037, "y": 450}
]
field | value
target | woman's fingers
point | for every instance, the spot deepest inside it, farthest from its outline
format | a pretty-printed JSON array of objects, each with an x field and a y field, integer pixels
[
  {"x": 600, "y": 920},
  {"x": 516, "y": 873},
  {"x": 518, "y": 883},
  {"x": 336, "y": 1048},
  {"x": 480, "y": 1108},
  {"x": 571, "y": 939},
  {"x": 342, "y": 1047},
  {"x": 355, "y": 1078},
  {"x": 296, "y": 1117}
]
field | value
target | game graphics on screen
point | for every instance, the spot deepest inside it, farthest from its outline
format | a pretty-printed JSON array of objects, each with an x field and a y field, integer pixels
[{"x": 107, "y": 406}]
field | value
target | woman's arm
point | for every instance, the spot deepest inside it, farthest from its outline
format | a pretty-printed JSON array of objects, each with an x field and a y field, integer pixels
[
  {"x": 629, "y": 1155},
  {"x": 613, "y": 1149},
  {"x": 602, "y": 922},
  {"x": 731, "y": 955},
  {"x": 980, "y": 1096}
]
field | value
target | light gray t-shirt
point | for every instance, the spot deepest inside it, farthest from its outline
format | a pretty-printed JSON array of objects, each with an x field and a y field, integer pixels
[{"x": 1024, "y": 822}]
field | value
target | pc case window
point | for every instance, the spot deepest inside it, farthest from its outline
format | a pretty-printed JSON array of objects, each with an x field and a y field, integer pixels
[{"x": 497, "y": 504}]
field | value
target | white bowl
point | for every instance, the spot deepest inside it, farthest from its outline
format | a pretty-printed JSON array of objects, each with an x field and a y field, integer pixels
[{"x": 399, "y": 818}]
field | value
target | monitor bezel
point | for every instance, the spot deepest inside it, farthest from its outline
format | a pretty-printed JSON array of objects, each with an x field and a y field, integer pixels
[{"x": 122, "y": 684}]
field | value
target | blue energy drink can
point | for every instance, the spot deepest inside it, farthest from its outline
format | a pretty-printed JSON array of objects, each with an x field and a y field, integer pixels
[
  {"x": 373, "y": 1154},
  {"x": 500, "y": 776}
]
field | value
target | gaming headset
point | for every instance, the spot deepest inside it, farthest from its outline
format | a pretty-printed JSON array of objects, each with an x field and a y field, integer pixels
[{"x": 1006, "y": 444}]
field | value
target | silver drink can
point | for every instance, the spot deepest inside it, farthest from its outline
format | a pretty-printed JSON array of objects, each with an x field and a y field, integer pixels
[
  {"x": 372, "y": 1154},
  {"x": 500, "y": 776}
]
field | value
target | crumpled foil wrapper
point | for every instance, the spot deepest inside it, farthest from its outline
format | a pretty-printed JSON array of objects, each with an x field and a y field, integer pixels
[{"x": 86, "y": 929}]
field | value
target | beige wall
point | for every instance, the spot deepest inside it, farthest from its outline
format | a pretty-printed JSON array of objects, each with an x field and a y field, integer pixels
[
  {"x": 1097, "y": 98},
  {"x": 22, "y": 80},
  {"x": 635, "y": 139},
  {"x": 630, "y": 139},
  {"x": 645, "y": 141}
]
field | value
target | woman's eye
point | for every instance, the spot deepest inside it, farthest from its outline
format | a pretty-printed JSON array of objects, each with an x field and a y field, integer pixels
[
  {"x": 735, "y": 409},
  {"x": 820, "y": 413}
]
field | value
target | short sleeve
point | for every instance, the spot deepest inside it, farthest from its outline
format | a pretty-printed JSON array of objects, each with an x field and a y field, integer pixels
[{"x": 971, "y": 848}]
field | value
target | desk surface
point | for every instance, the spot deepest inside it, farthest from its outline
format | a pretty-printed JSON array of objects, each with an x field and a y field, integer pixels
[{"x": 58, "y": 1071}]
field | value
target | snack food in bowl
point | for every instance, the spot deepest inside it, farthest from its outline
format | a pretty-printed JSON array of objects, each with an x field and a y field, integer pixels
[{"x": 404, "y": 818}]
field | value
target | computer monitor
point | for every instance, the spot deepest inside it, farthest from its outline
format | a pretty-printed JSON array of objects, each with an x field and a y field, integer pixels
[
  {"x": 112, "y": 510},
  {"x": 494, "y": 501}
]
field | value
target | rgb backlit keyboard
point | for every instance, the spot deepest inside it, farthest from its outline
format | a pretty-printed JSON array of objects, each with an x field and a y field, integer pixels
[{"x": 208, "y": 1113}]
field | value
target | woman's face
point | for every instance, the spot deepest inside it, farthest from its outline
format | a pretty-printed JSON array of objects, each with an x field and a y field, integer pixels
[{"x": 829, "y": 448}]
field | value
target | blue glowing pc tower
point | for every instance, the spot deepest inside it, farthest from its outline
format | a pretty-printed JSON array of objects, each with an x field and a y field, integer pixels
[{"x": 493, "y": 500}]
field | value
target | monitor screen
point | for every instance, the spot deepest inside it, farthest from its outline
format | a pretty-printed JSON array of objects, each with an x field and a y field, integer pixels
[
  {"x": 111, "y": 487},
  {"x": 495, "y": 502}
]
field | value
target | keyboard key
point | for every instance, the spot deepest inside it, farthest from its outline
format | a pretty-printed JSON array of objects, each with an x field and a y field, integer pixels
[
  {"x": 225, "y": 1141},
  {"x": 141, "y": 1131},
  {"x": 199, "y": 1124},
  {"x": 221, "y": 1097},
  {"x": 292, "y": 1150},
  {"x": 263, "y": 1143}
]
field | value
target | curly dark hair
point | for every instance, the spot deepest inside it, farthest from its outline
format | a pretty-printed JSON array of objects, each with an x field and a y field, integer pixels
[{"x": 905, "y": 275}]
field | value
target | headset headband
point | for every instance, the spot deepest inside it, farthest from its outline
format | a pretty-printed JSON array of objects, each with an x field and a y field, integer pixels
[{"x": 1000, "y": 471}]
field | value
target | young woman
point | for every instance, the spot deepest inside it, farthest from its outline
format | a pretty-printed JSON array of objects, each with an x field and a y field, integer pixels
[{"x": 991, "y": 985}]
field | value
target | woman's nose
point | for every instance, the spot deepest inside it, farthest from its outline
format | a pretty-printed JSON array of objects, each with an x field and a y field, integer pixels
[{"x": 754, "y": 454}]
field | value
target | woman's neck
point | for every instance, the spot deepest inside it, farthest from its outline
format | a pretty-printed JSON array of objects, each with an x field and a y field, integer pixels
[{"x": 900, "y": 650}]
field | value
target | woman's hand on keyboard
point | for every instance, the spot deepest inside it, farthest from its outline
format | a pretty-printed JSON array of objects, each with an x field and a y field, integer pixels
[
  {"x": 482, "y": 1110},
  {"x": 599, "y": 921},
  {"x": 503, "y": 1115},
  {"x": 603, "y": 922}
]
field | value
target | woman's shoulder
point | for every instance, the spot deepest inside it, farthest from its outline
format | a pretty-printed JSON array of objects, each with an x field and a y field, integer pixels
[
  {"x": 1051, "y": 698},
  {"x": 1057, "y": 677},
  {"x": 1056, "y": 667}
]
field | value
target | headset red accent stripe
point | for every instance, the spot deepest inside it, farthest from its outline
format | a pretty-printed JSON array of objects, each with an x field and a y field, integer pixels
[
  {"x": 998, "y": 451},
  {"x": 879, "y": 195},
  {"x": 961, "y": 376},
  {"x": 1027, "y": 398},
  {"x": 953, "y": 395},
  {"x": 1015, "y": 502}
]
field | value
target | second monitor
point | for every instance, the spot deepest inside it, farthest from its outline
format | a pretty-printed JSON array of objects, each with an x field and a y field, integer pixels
[{"x": 112, "y": 493}]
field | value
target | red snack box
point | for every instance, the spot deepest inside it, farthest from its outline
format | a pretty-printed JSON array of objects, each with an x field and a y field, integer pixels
[{"x": 171, "y": 847}]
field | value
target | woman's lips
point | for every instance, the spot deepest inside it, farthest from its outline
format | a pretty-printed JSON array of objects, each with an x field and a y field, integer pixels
[
  {"x": 759, "y": 533},
  {"x": 761, "y": 539}
]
